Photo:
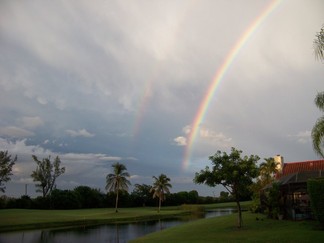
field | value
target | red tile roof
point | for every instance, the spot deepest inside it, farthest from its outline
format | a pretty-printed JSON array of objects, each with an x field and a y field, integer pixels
[{"x": 294, "y": 167}]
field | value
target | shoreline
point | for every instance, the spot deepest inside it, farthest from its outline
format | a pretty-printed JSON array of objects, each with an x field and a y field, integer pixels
[
  {"x": 105, "y": 218},
  {"x": 30, "y": 219}
]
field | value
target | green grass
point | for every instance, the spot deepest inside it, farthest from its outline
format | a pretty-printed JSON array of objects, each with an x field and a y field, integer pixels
[
  {"x": 222, "y": 229},
  {"x": 244, "y": 205},
  {"x": 18, "y": 219}
]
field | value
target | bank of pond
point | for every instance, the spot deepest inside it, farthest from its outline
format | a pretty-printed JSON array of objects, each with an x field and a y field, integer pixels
[
  {"x": 172, "y": 224},
  {"x": 113, "y": 232}
]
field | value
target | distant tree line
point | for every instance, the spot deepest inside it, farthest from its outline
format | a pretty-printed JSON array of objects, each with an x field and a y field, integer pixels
[
  {"x": 117, "y": 183},
  {"x": 83, "y": 197}
]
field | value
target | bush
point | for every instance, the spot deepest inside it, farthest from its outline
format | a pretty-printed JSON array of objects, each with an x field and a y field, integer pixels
[
  {"x": 88, "y": 197},
  {"x": 4, "y": 201},
  {"x": 64, "y": 199},
  {"x": 315, "y": 188},
  {"x": 41, "y": 202}
]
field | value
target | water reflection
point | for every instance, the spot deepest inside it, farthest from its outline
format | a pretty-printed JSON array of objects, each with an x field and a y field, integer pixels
[{"x": 116, "y": 233}]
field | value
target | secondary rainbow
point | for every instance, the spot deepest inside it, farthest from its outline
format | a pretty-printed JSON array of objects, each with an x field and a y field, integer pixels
[{"x": 219, "y": 75}]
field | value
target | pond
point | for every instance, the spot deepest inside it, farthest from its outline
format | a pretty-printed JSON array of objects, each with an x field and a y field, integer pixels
[{"x": 117, "y": 233}]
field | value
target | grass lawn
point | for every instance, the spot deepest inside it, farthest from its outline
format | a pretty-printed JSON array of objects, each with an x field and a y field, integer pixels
[
  {"x": 222, "y": 229},
  {"x": 18, "y": 219},
  {"x": 244, "y": 205}
]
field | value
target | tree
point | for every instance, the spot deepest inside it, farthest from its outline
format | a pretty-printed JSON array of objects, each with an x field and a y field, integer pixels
[
  {"x": 318, "y": 129},
  {"x": 89, "y": 197},
  {"x": 193, "y": 197},
  {"x": 232, "y": 172},
  {"x": 315, "y": 187},
  {"x": 141, "y": 194},
  {"x": 319, "y": 44},
  {"x": 161, "y": 187},
  {"x": 117, "y": 181},
  {"x": 65, "y": 199},
  {"x": 6, "y": 164},
  {"x": 46, "y": 174},
  {"x": 224, "y": 196},
  {"x": 268, "y": 170}
]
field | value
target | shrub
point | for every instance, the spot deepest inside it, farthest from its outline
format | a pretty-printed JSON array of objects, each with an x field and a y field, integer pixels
[
  {"x": 315, "y": 188},
  {"x": 64, "y": 199}
]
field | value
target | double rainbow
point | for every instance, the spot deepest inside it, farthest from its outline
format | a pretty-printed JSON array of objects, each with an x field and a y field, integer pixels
[{"x": 219, "y": 75}]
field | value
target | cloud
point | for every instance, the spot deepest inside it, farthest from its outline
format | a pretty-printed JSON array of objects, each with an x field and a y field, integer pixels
[
  {"x": 20, "y": 146},
  {"x": 79, "y": 166},
  {"x": 42, "y": 100},
  {"x": 302, "y": 137},
  {"x": 180, "y": 141},
  {"x": 79, "y": 133},
  {"x": 110, "y": 158},
  {"x": 135, "y": 177},
  {"x": 205, "y": 136},
  {"x": 31, "y": 122},
  {"x": 15, "y": 132},
  {"x": 73, "y": 71},
  {"x": 219, "y": 137},
  {"x": 186, "y": 129}
]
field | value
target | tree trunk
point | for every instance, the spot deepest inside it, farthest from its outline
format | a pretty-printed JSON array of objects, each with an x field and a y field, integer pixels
[
  {"x": 44, "y": 192},
  {"x": 239, "y": 217},
  {"x": 116, "y": 204},
  {"x": 159, "y": 205}
]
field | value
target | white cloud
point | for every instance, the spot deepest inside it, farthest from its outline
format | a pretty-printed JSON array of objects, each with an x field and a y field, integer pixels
[
  {"x": 31, "y": 122},
  {"x": 204, "y": 134},
  {"x": 71, "y": 66},
  {"x": 181, "y": 141},
  {"x": 79, "y": 133},
  {"x": 212, "y": 135},
  {"x": 42, "y": 100},
  {"x": 302, "y": 137},
  {"x": 186, "y": 129},
  {"x": 15, "y": 132},
  {"x": 110, "y": 158},
  {"x": 20, "y": 147},
  {"x": 135, "y": 177},
  {"x": 78, "y": 165}
]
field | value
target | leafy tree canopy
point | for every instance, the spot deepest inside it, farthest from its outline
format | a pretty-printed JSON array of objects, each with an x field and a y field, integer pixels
[
  {"x": 6, "y": 163},
  {"x": 160, "y": 188},
  {"x": 233, "y": 172},
  {"x": 319, "y": 44},
  {"x": 117, "y": 181},
  {"x": 318, "y": 129},
  {"x": 46, "y": 173}
]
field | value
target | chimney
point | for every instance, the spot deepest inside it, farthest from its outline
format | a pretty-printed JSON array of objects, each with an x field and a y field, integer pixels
[{"x": 280, "y": 162}]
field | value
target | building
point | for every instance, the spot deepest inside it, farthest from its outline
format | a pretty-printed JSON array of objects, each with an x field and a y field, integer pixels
[{"x": 293, "y": 178}]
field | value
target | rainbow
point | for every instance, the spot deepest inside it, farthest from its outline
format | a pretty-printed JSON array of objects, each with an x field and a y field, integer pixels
[
  {"x": 145, "y": 97},
  {"x": 219, "y": 75}
]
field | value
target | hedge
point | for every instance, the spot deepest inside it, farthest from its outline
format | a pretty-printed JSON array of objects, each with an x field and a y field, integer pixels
[{"x": 315, "y": 189}]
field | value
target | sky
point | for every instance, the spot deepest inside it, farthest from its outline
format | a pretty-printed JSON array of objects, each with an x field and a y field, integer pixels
[{"x": 99, "y": 82}]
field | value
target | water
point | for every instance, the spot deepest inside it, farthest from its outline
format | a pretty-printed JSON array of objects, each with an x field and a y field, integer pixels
[{"x": 117, "y": 233}]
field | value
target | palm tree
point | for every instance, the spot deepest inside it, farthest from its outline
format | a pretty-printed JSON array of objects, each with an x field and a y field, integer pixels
[
  {"x": 117, "y": 181},
  {"x": 160, "y": 187},
  {"x": 318, "y": 129},
  {"x": 319, "y": 44},
  {"x": 268, "y": 169}
]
